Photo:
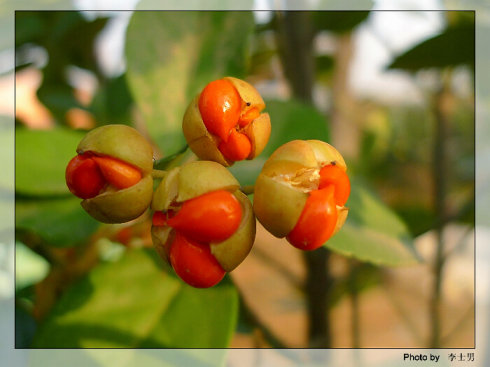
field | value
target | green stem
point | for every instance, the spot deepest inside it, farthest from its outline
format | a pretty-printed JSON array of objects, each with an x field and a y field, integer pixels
[
  {"x": 294, "y": 35},
  {"x": 440, "y": 174},
  {"x": 158, "y": 173},
  {"x": 165, "y": 161},
  {"x": 247, "y": 189},
  {"x": 253, "y": 319},
  {"x": 318, "y": 287}
]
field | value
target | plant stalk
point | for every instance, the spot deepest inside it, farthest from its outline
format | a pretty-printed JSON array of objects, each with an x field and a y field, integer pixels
[
  {"x": 442, "y": 111},
  {"x": 294, "y": 38}
]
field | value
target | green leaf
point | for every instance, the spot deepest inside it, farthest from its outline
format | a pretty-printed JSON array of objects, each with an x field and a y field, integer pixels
[
  {"x": 112, "y": 103},
  {"x": 362, "y": 277},
  {"x": 338, "y": 21},
  {"x": 65, "y": 34},
  {"x": 325, "y": 65},
  {"x": 455, "y": 46},
  {"x": 290, "y": 120},
  {"x": 41, "y": 159},
  {"x": 134, "y": 303},
  {"x": 373, "y": 233},
  {"x": 29, "y": 27},
  {"x": 171, "y": 56},
  {"x": 57, "y": 95},
  {"x": 58, "y": 222},
  {"x": 246, "y": 172},
  {"x": 25, "y": 327}
]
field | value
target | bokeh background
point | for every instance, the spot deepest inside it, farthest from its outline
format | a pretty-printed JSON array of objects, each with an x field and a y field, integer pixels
[{"x": 394, "y": 91}]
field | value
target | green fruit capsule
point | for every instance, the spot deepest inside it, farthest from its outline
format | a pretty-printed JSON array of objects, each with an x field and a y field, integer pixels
[
  {"x": 201, "y": 201},
  {"x": 112, "y": 173}
]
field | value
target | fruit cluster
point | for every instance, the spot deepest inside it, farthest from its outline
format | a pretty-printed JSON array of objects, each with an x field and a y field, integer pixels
[{"x": 202, "y": 223}]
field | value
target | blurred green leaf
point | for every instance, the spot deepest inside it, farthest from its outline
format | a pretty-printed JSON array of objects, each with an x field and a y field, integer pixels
[
  {"x": 67, "y": 35},
  {"x": 171, "y": 56},
  {"x": 324, "y": 66},
  {"x": 246, "y": 172},
  {"x": 57, "y": 95},
  {"x": 261, "y": 62},
  {"x": 419, "y": 218},
  {"x": 290, "y": 120},
  {"x": 69, "y": 40},
  {"x": 455, "y": 46},
  {"x": 365, "y": 276},
  {"x": 338, "y": 21},
  {"x": 134, "y": 303},
  {"x": 29, "y": 27},
  {"x": 57, "y": 222},
  {"x": 112, "y": 102},
  {"x": 25, "y": 327},
  {"x": 41, "y": 159},
  {"x": 373, "y": 233}
]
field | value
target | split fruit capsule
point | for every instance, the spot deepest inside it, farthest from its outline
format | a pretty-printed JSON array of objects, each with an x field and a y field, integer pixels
[
  {"x": 112, "y": 173},
  {"x": 203, "y": 225},
  {"x": 301, "y": 193},
  {"x": 225, "y": 123}
]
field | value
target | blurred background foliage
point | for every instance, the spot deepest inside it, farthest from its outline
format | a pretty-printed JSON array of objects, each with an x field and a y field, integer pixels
[{"x": 83, "y": 284}]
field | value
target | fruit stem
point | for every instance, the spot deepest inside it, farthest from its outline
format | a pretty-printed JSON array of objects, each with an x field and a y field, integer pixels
[
  {"x": 166, "y": 161},
  {"x": 247, "y": 189},
  {"x": 158, "y": 173}
]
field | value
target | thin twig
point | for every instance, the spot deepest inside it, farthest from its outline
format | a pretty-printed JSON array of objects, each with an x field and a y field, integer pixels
[
  {"x": 469, "y": 312},
  {"x": 405, "y": 316},
  {"x": 254, "y": 319},
  {"x": 280, "y": 268}
]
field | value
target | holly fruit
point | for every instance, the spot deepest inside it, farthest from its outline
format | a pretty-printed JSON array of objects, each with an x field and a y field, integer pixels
[
  {"x": 112, "y": 173},
  {"x": 224, "y": 122},
  {"x": 301, "y": 193},
  {"x": 203, "y": 224}
]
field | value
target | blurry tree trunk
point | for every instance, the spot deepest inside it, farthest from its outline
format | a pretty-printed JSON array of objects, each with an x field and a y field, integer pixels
[
  {"x": 442, "y": 111},
  {"x": 295, "y": 42},
  {"x": 344, "y": 129},
  {"x": 345, "y": 135}
]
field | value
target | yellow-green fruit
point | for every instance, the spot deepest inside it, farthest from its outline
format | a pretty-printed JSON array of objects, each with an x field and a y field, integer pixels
[
  {"x": 127, "y": 145},
  {"x": 205, "y": 145},
  {"x": 190, "y": 181},
  {"x": 119, "y": 141},
  {"x": 287, "y": 178},
  {"x": 232, "y": 251},
  {"x": 122, "y": 205}
]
